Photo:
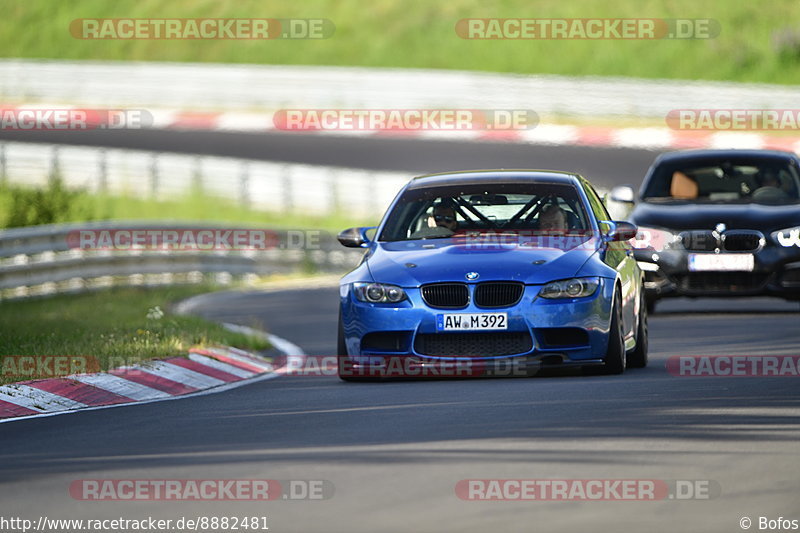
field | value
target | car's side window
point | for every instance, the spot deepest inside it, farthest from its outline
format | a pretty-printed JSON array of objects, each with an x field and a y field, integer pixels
[{"x": 597, "y": 206}]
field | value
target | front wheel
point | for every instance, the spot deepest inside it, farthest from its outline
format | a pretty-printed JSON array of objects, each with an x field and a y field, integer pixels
[{"x": 615, "y": 354}]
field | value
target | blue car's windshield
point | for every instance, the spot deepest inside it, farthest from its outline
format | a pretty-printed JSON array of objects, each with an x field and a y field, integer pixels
[{"x": 441, "y": 212}]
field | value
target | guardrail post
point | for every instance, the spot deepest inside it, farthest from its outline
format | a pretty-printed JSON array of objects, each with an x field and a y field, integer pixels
[
  {"x": 244, "y": 185},
  {"x": 286, "y": 188},
  {"x": 102, "y": 176},
  {"x": 197, "y": 174},
  {"x": 154, "y": 176},
  {"x": 54, "y": 163}
]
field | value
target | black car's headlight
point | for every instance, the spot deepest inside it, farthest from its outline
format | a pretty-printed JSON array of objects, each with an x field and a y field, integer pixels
[
  {"x": 570, "y": 288},
  {"x": 787, "y": 237},
  {"x": 378, "y": 293},
  {"x": 655, "y": 239}
]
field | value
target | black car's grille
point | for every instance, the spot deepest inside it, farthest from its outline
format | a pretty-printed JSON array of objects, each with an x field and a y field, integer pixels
[
  {"x": 446, "y": 295},
  {"x": 729, "y": 241},
  {"x": 702, "y": 282},
  {"x": 742, "y": 241},
  {"x": 498, "y": 294},
  {"x": 473, "y": 344}
]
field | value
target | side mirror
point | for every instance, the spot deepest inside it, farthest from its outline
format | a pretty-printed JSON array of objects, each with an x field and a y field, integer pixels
[
  {"x": 354, "y": 237},
  {"x": 621, "y": 231},
  {"x": 623, "y": 194}
]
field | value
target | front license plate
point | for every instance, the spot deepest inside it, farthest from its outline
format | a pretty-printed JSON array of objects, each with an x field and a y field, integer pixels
[
  {"x": 721, "y": 262},
  {"x": 471, "y": 321}
]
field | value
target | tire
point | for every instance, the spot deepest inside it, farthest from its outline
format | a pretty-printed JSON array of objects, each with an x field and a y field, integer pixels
[
  {"x": 638, "y": 358},
  {"x": 615, "y": 353},
  {"x": 650, "y": 304},
  {"x": 341, "y": 347}
]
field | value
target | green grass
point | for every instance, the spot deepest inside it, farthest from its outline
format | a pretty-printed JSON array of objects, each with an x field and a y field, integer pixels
[
  {"x": 195, "y": 206},
  {"x": 110, "y": 325},
  {"x": 759, "y": 41}
]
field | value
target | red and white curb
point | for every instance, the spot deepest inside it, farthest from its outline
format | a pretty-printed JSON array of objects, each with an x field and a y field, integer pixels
[
  {"x": 205, "y": 371},
  {"x": 650, "y": 138}
]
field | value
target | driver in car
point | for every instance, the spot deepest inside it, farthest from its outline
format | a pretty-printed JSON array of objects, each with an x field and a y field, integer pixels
[
  {"x": 770, "y": 187},
  {"x": 441, "y": 223},
  {"x": 553, "y": 219},
  {"x": 444, "y": 217}
]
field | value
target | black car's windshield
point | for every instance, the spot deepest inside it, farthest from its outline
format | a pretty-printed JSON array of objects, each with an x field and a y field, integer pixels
[
  {"x": 441, "y": 212},
  {"x": 725, "y": 180}
]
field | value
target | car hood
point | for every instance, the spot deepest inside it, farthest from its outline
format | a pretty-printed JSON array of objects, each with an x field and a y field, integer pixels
[
  {"x": 445, "y": 260},
  {"x": 686, "y": 216}
]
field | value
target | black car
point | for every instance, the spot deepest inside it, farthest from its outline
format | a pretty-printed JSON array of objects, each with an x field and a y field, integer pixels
[{"x": 718, "y": 223}]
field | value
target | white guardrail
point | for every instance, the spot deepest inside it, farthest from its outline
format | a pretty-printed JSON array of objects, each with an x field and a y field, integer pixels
[
  {"x": 262, "y": 185},
  {"x": 267, "y": 88},
  {"x": 42, "y": 260}
]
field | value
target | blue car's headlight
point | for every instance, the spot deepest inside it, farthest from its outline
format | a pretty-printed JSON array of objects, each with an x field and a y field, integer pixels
[
  {"x": 570, "y": 288},
  {"x": 787, "y": 237},
  {"x": 378, "y": 293}
]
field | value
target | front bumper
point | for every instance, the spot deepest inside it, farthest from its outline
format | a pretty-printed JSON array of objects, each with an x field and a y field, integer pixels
[
  {"x": 541, "y": 333},
  {"x": 776, "y": 273}
]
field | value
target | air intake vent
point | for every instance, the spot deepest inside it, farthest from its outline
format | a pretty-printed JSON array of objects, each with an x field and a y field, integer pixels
[
  {"x": 742, "y": 241},
  {"x": 498, "y": 294},
  {"x": 446, "y": 295},
  {"x": 727, "y": 282},
  {"x": 473, "y": 344}
]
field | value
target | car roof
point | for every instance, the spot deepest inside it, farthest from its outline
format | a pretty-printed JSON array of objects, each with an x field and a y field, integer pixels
[
  {"x": 477, "y": 177},
  {"x": 710, "y": 154}
]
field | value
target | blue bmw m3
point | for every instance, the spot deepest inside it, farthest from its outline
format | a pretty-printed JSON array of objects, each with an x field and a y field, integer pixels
[{"x": 471, "y": 272}]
